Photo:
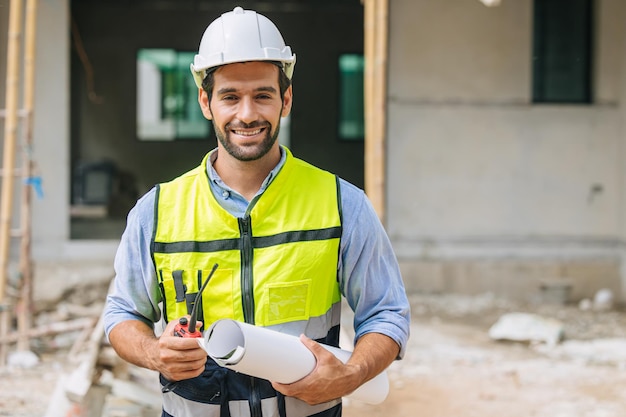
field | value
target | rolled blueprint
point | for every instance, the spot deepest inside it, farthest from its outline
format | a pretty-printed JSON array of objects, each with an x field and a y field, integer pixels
[{"x": 275, "y": 356}]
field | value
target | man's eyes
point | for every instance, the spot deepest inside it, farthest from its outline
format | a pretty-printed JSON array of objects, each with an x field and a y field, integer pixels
[{"x": 257, "y": 97}]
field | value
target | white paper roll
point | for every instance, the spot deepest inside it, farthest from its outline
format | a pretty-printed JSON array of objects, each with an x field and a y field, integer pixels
[{"x": 275, "y": 356}]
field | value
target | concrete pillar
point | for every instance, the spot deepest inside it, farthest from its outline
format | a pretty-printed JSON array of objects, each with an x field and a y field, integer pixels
[{"x": 52, "y": 128}]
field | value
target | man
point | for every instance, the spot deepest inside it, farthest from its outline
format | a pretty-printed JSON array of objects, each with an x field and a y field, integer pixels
[{"x": 289, "y": 239}]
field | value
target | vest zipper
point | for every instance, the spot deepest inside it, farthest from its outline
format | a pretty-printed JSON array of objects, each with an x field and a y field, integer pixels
[
  {"x": 247, "y": 296},
  {"x": 247, "y": 287}
]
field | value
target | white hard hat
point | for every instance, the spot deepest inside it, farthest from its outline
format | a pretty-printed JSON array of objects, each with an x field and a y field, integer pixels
[{"x": 241, "y": 36}]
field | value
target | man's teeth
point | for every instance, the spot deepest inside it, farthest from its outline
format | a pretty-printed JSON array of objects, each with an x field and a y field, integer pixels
[{"x": 247, "y": 133}]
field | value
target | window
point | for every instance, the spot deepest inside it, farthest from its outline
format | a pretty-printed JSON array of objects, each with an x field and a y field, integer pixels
[
  {"x": 562, "y": 51},
  {"x": 351, "y": 110},
  {"x": 167, "y": 105}
]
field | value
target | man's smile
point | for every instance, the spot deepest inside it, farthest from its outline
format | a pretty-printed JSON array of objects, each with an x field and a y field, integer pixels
[{"x": 247, "y": 132}]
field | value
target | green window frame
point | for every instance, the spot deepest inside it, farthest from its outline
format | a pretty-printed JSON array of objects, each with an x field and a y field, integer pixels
[
  {"x": 351, "y": 101},
  {"x": 167, "y": 105}
]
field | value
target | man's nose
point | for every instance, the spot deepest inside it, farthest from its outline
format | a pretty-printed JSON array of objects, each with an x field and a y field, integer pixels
[{"x": 247, "y": 110}]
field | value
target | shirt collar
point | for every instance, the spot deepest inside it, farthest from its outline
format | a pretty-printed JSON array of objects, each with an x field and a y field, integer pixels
[{"x": 215, "y": 178}]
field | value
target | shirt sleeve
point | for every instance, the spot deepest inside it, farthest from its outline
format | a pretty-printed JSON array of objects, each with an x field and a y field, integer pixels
[
  {"x": 369, "y": 273},
  {"x": 135, "y": 293}
]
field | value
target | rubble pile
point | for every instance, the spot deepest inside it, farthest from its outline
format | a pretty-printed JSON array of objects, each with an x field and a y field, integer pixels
[{"x": 79, "y": 370}]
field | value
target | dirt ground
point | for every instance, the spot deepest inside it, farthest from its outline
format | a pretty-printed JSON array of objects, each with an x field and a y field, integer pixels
[{"x": 451, "y": 368}]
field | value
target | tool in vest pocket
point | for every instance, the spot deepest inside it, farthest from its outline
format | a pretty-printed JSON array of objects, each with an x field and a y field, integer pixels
[
  {"x": 187, "y": 327},
  {"x": 179, "y": 287}
]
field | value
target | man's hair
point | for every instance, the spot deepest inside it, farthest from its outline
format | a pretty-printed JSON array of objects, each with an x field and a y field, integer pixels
[{"x": 283, "y": 81}]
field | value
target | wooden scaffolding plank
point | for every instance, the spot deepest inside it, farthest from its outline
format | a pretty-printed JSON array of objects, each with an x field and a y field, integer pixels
[
  {"x": 10, "y": 138},
  {"x": 376, "y": 27},
  {"x": 8, "y": 165},
  {"x": 25, "y": 303}
]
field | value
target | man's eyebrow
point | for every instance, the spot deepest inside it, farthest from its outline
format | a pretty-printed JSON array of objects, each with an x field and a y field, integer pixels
[
  {"x": 228, "y": 90},
  {"x": 268, "y": 89}
]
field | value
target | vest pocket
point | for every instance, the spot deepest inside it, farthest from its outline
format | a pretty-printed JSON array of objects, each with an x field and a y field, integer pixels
[
  {"x": 180, "y": 288},
  {"x": 218, "y": 297},
  {"x": 287, "y": 301}
]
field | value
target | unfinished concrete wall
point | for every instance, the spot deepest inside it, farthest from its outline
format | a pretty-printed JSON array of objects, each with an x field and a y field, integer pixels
[{"x": 481, "y": 179}]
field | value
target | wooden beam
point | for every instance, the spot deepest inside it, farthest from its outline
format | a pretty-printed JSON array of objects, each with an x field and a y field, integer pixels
[
  {"x": 369, "y": 36},
  {"x": 82, "y": 378},
  {"x": 54, "y": 328},
  {"x": 376, "y": 28},
  {"x": 8, "y": 164},
  {"x": 25, "y": 304},
  {"x": 10, "y": 133}
]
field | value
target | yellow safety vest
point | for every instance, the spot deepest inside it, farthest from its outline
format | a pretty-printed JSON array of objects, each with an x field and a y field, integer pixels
[{"x": 276, "y": 265}]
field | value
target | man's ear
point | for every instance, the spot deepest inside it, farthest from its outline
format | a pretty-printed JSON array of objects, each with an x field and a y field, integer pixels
[
  {"x": 203, "y": 100},
  {"x": 287, "y": 101}
]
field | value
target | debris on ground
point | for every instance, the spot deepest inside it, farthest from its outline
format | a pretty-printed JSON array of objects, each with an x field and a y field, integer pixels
[
  {"x": 72, "y": 370},
  {"x": 608, "y": 351},
  {"x": 453, "y": 366},
  {"x": 526, "y": 327}
]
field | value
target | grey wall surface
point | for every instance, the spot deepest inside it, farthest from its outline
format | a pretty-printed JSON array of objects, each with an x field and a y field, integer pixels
[{"x": 478, "y": 174}]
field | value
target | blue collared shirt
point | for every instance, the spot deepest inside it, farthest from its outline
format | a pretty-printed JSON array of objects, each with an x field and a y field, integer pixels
[{"x": 369, "y": 275}]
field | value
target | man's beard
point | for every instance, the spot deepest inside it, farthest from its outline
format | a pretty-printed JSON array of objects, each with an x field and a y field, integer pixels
[{"x": 247, "y": 153}]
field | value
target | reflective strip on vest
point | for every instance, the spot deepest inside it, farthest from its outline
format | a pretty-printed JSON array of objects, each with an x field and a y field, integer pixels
[
  {"x": 298, "y": 408},
  {"x": 177, "y": 406},
  {"x": 269, "y": 406},
  {"x": 315, "y": 327}
]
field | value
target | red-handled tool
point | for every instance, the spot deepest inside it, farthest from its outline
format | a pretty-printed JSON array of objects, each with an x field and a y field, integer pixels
[{"x": 187, "y": 327}]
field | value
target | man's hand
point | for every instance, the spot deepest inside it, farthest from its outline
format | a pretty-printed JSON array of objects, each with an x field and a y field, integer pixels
[
  {"x": 331, "y": 378},
  {"x": 177, "y": 358}
]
